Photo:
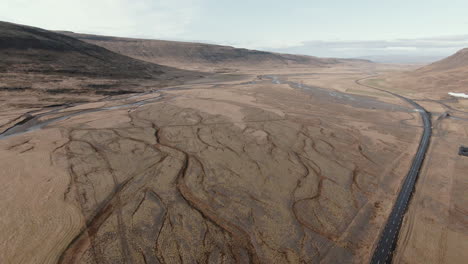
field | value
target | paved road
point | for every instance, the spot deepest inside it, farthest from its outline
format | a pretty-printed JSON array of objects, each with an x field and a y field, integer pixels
[
  {"x": 388, "y": 240},
  {"x": 384, "y": 251}
]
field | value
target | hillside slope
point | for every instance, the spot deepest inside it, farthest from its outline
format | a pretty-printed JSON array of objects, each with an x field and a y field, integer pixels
[
  {"x": 436, "y": 79},
  {"x": 34, "y": 50},
  {"x": 40, "y": 68},
  {"x": 457, "y": 61},
  {"x": 197, "y": 55}
]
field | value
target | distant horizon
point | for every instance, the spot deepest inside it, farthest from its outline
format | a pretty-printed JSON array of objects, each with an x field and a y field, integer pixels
[
  {"x": 379, "y": 57},
  {"x": 375, "y": 57},
  {"x": 340, "y": 29}
]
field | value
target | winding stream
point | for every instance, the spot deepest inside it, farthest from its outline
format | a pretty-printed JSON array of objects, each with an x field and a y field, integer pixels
[{"x": 39, "y": 121}]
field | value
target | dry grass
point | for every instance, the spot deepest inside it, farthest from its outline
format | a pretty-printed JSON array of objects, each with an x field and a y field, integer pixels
[{"x": 224, "y": 171}]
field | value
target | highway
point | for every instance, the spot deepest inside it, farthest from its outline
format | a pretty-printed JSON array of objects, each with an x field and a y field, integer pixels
[{"x": 383, "y": 252}]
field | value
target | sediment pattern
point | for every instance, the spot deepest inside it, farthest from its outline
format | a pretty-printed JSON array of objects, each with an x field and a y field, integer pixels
[{"x": 180, "y": 185}]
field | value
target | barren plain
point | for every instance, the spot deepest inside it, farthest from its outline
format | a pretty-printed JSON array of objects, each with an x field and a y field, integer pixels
[
  {"x": 254, "y": 170},
  {"x": 290, "y": 160}
]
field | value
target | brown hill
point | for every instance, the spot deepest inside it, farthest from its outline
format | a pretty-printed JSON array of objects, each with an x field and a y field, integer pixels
[
  {"x": 197, "y": 55},
  {"x": 27, "y": 49},
  {"x": 39, "y": 68},
  {"x": 437, "y": 79},
  {"x": 456, "y": 61}
]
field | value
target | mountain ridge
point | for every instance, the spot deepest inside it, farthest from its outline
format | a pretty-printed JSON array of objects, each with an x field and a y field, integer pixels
[{"x": 192, "y": 54}]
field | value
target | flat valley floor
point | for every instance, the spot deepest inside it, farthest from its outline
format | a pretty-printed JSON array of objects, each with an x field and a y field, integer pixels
[{"x": 273, "y": 166}]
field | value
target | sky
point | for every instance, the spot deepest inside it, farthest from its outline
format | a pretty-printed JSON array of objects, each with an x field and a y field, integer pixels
[{"x": 329, "y": 28}]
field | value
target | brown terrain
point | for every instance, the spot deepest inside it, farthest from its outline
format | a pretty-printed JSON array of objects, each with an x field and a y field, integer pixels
[
  {"x": 40, "y": 68},
  {"x": 199, "y": 56},
  {"x": 435, "y": 229},
  {"x": 433, "y": 81},
  {"x": 284, "y": 162}
]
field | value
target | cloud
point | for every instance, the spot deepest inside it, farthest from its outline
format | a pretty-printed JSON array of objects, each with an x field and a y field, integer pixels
[
  {"x": 137, "y": 18},
  {"x": 423, "y": 47},
  {"x": 264, "y": 44}
]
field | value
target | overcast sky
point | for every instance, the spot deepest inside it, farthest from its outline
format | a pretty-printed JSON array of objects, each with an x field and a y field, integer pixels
[{"x": 334, "y": 28}]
